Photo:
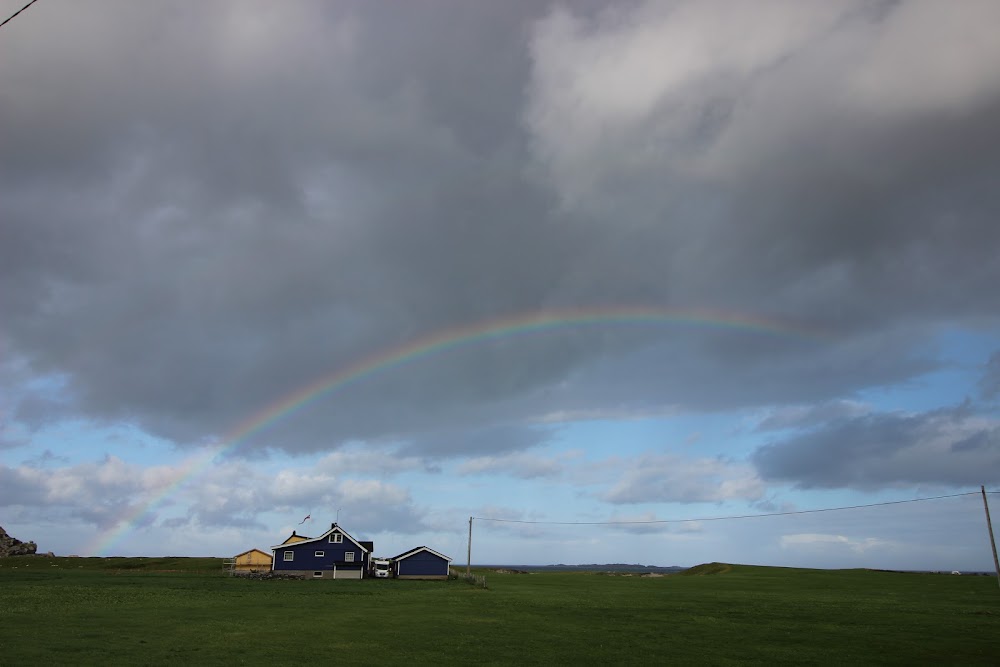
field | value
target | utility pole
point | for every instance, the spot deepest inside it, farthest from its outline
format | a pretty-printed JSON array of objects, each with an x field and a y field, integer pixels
[
  {"x": 468, "y": 563},
  {"x": 989, "y": 526}
]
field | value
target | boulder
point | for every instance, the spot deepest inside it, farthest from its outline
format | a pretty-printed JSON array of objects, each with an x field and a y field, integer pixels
[{"x": 11, "y": 546}]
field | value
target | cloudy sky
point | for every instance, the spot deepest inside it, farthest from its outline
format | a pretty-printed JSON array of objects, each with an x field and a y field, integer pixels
[{"x": 407, "y": 263}]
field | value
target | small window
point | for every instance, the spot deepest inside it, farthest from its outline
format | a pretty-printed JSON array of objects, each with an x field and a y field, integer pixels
[
  {"x": 318, "y": 574},
  {"x": 336, "y": 538},
  {"x": 349, "y": 556},
  {"x": 319, "y": 554},
  {"x": 289, "y": 555}
]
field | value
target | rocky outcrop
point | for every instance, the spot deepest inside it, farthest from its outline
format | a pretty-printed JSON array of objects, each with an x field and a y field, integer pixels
[{"x": 10, "y": 546}]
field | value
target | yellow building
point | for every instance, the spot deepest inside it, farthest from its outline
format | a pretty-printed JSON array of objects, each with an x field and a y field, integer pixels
[
  {"x": 253, "y": 560},
  {"x": 294, "y": 537}
]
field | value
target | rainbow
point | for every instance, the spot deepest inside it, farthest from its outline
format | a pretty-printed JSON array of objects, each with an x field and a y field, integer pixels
[{"x": 437, "y": 343}]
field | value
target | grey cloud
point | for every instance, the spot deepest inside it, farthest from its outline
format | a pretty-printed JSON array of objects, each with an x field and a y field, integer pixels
[
  {"x": 478, "y": 441},
  {"x": 101, "y": 493},
  {"x": 377, "y": 505},
  {"x": 951, "y": 447},
  {"x": 667, "y": 478},
  {"x": 986, "y": 442},
  {"x": 19, "y": 488},
  {"x": 647, "y": 524},
  {"x": 524, "y": 466},
  {"x": 645, "y": 529},
  {"x": 989, "y": 384},
  {"x": 95, "y": 493},
  {"x": 804, "y": 416},
  {"x": 372, "y": 461},
  {"x": 45, "y": 458},
  {"x": 36, "y": 410},
  {"x": 205, "y": 210},
  {"x": 706, "y": 369},
  {"x": 813, "y": 199},
  {"x": 240, "y": 495},
  {"x": 8, "y": 441}
]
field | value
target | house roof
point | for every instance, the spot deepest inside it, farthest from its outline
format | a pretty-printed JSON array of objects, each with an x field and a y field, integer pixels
[
  {"x": 334, "y": 528},
  {"x": 413, "y": 552},
  {"x": 295, "y": 537},
  {"x": 260, "y": 551}
]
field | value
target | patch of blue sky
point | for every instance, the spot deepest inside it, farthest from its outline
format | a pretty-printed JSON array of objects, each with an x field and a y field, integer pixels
[
  {"x": 695, "y": 435},
  {"x": 963, "y": 355},
  {"x": 93, "y": 442},
  {"x": 51, "y": 386},
  {"x": 504, "y": 497}
]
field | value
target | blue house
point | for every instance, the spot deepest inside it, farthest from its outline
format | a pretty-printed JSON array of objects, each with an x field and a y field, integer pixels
[
  {"x": 420, "y": 563},
  {"x": 332, "y": 555}
]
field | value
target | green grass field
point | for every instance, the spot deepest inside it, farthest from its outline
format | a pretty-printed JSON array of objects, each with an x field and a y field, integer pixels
[{"x": 164, "y": 611}]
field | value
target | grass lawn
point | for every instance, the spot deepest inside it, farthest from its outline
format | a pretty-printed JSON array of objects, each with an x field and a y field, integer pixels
[{"x": 162, "y": 611}]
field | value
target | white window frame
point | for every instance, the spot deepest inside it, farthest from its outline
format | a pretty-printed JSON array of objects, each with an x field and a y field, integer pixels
[
  {"x": 319, "y": 554},
  {"x": 349, "y": 556},
  {"x": 289, "y": 556},
  {"x": 336, "y": 538},
  {"x": 317, "y": 574}
]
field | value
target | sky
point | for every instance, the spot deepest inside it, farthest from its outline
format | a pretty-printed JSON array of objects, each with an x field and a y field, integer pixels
[{"x": 560, "y": 264}]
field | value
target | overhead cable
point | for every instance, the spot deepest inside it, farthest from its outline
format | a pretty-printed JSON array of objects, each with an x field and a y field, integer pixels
[
  {"x": 725, "y": 518},
  {"x": 17, "y": 12}
]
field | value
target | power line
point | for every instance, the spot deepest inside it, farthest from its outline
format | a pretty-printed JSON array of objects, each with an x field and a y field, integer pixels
[
  {"x": 724, "y": 518},
  {"x": 17, "y": 12}
]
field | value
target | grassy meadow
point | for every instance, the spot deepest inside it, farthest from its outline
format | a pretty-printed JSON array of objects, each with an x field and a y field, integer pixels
[{"x": 151, "y": 611}]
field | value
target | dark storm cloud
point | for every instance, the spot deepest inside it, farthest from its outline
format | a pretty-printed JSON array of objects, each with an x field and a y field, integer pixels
[
  {"x": 950, "y": 447},
  {"x": 205, "y": 209},
  {"x": 823, "y": 193},
  {"x": 231, "y": 263}
]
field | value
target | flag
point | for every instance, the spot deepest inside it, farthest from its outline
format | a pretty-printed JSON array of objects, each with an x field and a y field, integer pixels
[{"x": 308, "y": 516}]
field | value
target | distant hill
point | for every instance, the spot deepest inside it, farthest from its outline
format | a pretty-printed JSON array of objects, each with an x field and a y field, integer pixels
[
  {"x": 590, "y": 567},
  {"x": 708, "y": 568}
]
